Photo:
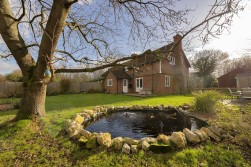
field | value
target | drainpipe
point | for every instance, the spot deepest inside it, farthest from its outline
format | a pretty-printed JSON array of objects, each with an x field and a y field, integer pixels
[{"x": 160, "y": 66}]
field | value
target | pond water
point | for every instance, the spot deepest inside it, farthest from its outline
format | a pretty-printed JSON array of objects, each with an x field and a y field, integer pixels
[{"x": 141, "y": 124}]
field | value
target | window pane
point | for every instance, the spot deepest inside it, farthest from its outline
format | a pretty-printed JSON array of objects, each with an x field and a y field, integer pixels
[{"x": 141, "y": 83}]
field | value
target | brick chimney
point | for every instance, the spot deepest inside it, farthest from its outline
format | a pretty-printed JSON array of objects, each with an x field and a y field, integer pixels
[{"x": 177, "y": 39}]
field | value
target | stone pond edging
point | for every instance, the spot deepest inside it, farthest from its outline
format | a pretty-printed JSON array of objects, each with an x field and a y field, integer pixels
[{"x": 163, "y": 143}]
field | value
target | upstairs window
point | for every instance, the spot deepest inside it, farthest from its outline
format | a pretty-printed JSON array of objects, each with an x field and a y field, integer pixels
[
  {"x": 171, "y": 60},
  {"x": 109, "y": 82},
  {"x": 167, "y": 80}
]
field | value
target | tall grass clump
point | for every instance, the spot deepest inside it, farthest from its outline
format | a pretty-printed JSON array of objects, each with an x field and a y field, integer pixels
[{"x": 205, "y": 101}]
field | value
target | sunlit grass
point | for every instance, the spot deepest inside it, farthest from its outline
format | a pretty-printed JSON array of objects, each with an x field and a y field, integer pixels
[{"x": 25, "y": 144}]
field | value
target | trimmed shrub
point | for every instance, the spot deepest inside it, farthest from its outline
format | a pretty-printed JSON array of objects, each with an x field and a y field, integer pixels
[{"x": 205, "y": 101}]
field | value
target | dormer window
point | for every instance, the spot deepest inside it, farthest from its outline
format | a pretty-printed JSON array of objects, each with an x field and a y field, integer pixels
[{"x": 171, "y": 60}]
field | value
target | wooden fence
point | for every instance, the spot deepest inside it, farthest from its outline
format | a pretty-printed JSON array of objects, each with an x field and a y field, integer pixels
[{"x": 14, "y": 89}]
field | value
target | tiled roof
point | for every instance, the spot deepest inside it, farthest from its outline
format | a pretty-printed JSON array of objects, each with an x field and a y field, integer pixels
[
  {"x": 120, "y": 74},
  {"x": 149, "y": 56}
]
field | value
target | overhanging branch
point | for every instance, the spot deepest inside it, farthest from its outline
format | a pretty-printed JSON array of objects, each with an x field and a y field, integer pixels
[{"x": 114, "y": 63}]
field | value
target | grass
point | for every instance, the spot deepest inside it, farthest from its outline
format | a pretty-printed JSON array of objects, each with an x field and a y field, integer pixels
[{"x": 26, "y": 144}]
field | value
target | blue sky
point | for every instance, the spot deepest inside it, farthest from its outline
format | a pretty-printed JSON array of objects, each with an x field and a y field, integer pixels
[{"x": 233, "y": 42}]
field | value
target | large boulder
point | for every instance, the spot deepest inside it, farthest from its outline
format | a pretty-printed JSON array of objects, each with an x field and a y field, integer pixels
[
  {"x": 134, "y": 149},
  {"x": 202, "y": 135},
  {"x": 117, "y": 143},
  {"x": 74, "y": 130},
  {"x": 179, "y": 139},
  {"x": 210, "y": 134},
  {"x": 145, "y": 145},
  {"x": 163, "y": 139},
  {"x": 190, "y": 136},
  {"x": 126, "y": 149},
  {"x": 104, "y": 139}
]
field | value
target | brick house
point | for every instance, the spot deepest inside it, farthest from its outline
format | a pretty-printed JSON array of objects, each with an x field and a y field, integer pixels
[
  {"x": 229, "y": 79},
  {"x": 159, "y": 72}
]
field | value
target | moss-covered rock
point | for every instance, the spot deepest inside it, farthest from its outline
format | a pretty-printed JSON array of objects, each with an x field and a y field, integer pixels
[
  {"x": 164, "y": 139},
  {"x": 134, "y": 149}
]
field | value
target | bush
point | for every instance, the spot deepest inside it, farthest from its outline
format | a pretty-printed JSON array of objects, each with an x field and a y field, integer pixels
[
  {"x": 205, "y": 101},
  {"x": 65, "y": 85},
  {"x": 93, "y": 91}
]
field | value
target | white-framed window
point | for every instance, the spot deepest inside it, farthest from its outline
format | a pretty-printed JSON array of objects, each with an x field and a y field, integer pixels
[
  {"x": 126, "y": 68},
  {"x": 167, "y": 80},
  {"x": 109, "y": 82},
  {"x": 171, "y": 60},
  {"x": 139, "y": 84}
]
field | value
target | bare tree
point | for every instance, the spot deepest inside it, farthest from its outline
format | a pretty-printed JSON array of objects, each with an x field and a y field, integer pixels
[
  {"x": 44, "y": 33},
  {"x": 207, "y": 62},
  {"x": 242, "y": 62}
]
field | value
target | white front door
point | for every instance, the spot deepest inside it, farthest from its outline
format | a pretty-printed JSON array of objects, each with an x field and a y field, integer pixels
[
  {"x": 125, "y": 85},
  {"x": 139, "y": 84}
]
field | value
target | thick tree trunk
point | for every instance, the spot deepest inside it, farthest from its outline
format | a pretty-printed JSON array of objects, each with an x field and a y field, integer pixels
[
  {"x": 34, "y": 91},
  {"x": 32, "y": 101}
]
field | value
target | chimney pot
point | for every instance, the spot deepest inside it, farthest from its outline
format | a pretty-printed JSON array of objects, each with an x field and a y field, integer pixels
[{"x": 177, "y": 39}]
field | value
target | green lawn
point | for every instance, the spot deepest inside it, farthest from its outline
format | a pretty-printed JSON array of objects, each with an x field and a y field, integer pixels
[{"x": 25, "y": 144}]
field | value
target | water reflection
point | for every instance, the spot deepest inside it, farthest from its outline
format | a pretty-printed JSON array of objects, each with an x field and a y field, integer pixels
[{"x": 143, "y": 124}]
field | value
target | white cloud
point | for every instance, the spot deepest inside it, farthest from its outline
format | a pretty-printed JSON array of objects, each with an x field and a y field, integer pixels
[
  {"x": 136, "y": 52},
  {"x": 7, "y": 67}
]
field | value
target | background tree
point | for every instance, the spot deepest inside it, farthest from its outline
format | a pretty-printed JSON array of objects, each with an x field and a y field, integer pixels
[
  {"x": 40, "y": 33},
  {"x": 206, "y": 62},
  {"x": 2, "y": 78},
  {"x": 15, "y": 76},
  {"x": 232, "y": 64}
]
